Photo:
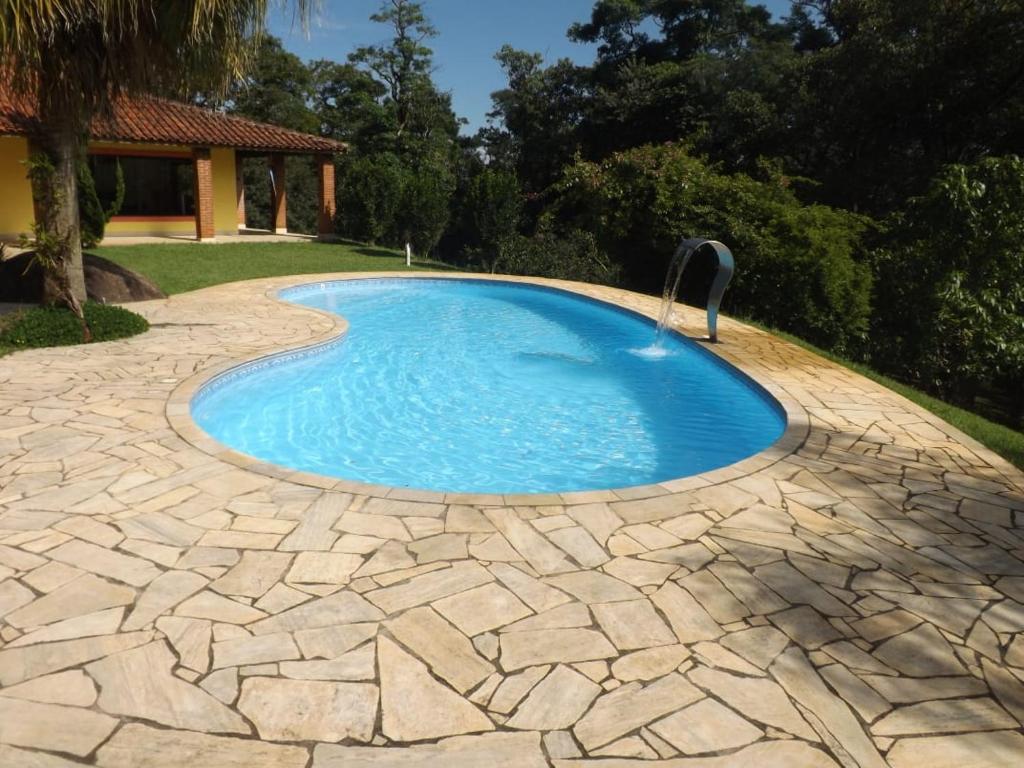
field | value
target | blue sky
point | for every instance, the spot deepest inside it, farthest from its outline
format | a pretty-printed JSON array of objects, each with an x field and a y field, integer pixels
[{"x": 471, "y": 32}]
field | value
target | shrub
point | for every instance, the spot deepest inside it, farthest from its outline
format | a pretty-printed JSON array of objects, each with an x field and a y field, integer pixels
[
  {"x": 92, "y": 216},
  {"x": 574, "y": 256},
  {"x": 425, "y": 206},
  {"x": 369, "y": 195},
  {"x": 56, "y": 326},
  {"x": 493, "y": 207},
  {"x": 382, "y": 201},
  {"x": 798, "y": 268},
  {"x": 956, "y": 257}
]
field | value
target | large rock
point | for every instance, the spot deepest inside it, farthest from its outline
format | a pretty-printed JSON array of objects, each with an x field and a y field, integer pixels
[{"x": 105, "y": 281}]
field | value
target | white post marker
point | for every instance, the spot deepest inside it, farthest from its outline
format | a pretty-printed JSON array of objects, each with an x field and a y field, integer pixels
[{"x": 408, "y": 255}]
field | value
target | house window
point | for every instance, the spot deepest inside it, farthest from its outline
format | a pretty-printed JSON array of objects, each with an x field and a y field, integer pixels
[{"x": 153, "y": 186}]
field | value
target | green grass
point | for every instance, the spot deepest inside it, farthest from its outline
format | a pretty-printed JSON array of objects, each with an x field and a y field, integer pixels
[
  {"x": 58, "y": 327},
  {"x": 181, "y": 267},
  {"x": 1007, "y": 442}
]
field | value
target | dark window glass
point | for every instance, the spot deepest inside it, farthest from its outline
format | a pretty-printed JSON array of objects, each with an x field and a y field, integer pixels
[{"x": 153, "y": 186}]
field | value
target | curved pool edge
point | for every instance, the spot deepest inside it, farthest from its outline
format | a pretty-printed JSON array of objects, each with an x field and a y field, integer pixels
[{"x": 178, "y": 407}]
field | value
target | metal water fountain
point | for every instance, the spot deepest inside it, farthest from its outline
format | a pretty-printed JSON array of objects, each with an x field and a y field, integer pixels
[{"x": 723, "y": 274}]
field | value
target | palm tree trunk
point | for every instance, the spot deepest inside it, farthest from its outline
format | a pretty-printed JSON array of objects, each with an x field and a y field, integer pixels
[{"x": 55, "y": 192}]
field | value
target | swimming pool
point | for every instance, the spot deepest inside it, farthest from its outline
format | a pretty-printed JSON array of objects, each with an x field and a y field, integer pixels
[{"x": 484, "y": 386}]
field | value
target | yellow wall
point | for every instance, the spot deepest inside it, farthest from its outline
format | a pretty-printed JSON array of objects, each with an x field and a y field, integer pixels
[{"x": 16, "y": 214}]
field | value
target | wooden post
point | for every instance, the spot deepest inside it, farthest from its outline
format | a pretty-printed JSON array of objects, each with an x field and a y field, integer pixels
[
  {"x": 326, "y": 204},
  {"x": 203, "y": 168},
  {"x": 279, "y": 207}
]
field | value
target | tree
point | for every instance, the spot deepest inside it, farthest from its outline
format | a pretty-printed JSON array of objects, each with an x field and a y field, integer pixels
[
  {"x": 348, "y": 102},
  {"x": 277, "y": 88},
  {"x": 75, "y": 59},
  {"x": 404, "y": 64},
  {"x": 954, "y": 255},
  {"x": 405, "y": 151},
  {"x": 905, "y": 89},
  {"x": 535, "y": 121}
]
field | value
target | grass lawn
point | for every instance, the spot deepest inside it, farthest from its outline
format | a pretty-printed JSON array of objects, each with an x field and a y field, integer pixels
[
  {"x": 181, "y": 267},
  {"x": 1007, "y": 442}
]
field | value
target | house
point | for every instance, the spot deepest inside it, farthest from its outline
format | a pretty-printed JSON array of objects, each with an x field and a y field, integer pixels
[{"x": 181, "y": 164}]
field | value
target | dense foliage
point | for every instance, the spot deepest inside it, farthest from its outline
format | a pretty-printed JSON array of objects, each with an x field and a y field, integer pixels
[
  {"x": 854, "y": 155},
  {"x": 51, "y": 326},
  {"x": 956, "y": 255},
  {"x": 802, "y": 266}
]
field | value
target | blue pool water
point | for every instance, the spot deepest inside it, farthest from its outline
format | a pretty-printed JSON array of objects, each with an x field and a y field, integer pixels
[{"x": 489, "y": 387}]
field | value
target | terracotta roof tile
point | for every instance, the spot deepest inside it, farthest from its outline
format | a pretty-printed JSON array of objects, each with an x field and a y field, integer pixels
[{"x": 160, "y": 121}]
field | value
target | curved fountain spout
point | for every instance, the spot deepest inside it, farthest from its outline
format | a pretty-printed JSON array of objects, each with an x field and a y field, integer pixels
[{"x": 723, "y": 274}]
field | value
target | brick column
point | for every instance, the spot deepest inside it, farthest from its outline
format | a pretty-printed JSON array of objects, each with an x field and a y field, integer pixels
[
  {"x": 203, "y": 168},
  {"x": 239, "y": 191},
  {"x": 279, "y": 203},
  {"x": 326, "y": 201}
]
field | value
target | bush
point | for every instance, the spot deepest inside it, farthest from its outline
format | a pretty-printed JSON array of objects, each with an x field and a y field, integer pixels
[
  {"x": 425, "y": 206},
  {"x": 956, "y": 257},
  {"x": 369, "y": 194},
  {"x": 798, "y": 268},
  {"x": 574, "y": 256},
  {"x": 57, "y": 327},
  {"x": 381, "y": 201},
  {"x": 493, "y": 207},
  {"x": 92, "y": 216}
]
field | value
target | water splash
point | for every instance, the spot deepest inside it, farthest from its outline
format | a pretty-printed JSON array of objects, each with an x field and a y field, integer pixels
[
  {"x": 668, "y": 295},
  {"x": 655, "y": 351}
]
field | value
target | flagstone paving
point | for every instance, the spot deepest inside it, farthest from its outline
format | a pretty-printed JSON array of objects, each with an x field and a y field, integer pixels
[{"x": 852, "y": 597}]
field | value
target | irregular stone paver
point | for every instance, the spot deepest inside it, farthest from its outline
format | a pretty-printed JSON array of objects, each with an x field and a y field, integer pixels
[
  {"x": 139, "y": 683},
  {"x": 978, "y": 750},
  {"x": 481, "y": 609},
  {"x": 859, "y": 586},
  {"x": 799, "y": 679},
  {"x": 309, "y": 710},
  {"x": 85, "y": 594},
  {"x": 254, "y": 650},
  {"x": 415, "y": 706},
  {"x": 354, "y": 665},
  {"x": 706, "y": 726},
  {"x": 521, "y": 750},
  {"x": 105, "y": 562},
  {"x": 162, "y": 594},
  {"x": 557, "y": 702},
  {"x": 765, "y": 754},
  {"x": 339, "y": 608},
  {"x": 632, "y": 624},
  {"x": 450, "y": 655},
  {"x": 140, "y": 746},
  {"x": 190, "y": 639},
  {"x": 25, "y": 759},
  {"x": 543, "y": 646},
  {"x": 47, "y": 726},
  {"x": 649, "y": 663},
  {"x": 254, "y": 575},
  {"x": 757, "y": 699},
  {"x": 627, "y": 708},
  {"x": 947, "y": 716},
  {"x": 18, "y": 664},
  {"x": 72, "y": 688}
]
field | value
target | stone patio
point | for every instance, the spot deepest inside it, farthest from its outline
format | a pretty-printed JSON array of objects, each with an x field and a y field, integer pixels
[{"x": 853, "y": 597}]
